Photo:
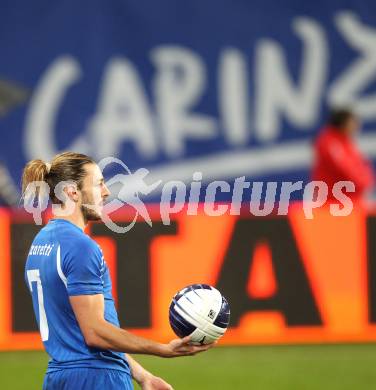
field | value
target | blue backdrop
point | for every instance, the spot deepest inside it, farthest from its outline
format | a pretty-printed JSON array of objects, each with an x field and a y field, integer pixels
[{"x": 229, "y": 88}]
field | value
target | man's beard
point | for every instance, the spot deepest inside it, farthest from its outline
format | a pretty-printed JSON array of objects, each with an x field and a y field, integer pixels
[{"x": 89, "y": 213}]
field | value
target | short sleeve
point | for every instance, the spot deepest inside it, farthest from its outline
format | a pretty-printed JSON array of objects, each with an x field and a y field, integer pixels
[{"x": 83, "y": 268}]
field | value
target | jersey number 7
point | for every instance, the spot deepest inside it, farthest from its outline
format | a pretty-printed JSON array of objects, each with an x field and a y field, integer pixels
[{"x": 33, "y": 276}]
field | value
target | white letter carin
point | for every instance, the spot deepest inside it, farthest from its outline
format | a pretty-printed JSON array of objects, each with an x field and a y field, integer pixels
[
  {"x": 347, "y": 88},
  {"x": 123, "y": 113},
  {"x": 275, "y": 92},
  {"x": 39, "y": 141},
  {"x": 233, "y": 96},
  {"x": 178, "y": 86}
]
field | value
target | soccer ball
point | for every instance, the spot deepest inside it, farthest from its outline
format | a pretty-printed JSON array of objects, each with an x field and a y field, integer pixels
[{"x": 199, "y": 311}]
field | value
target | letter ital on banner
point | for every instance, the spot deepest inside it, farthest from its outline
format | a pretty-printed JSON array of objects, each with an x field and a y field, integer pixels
[{"x": 286, "y": 277}]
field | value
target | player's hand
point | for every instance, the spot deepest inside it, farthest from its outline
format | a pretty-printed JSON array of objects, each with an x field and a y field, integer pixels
[
  {"x": 183, "y": 347},
  {"x": 152, "y": 382}
]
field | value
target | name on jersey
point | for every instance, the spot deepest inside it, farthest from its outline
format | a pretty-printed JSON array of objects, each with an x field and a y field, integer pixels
[{"x": 43, "y": 250}]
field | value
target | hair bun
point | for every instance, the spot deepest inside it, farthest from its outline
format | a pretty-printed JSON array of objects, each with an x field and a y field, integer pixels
[{"x": 35, "y": 170}]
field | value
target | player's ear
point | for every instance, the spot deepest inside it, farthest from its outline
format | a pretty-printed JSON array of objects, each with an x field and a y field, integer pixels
[
  {"x": 67, "y": 191},
  {"x": 72, "y": 192}
]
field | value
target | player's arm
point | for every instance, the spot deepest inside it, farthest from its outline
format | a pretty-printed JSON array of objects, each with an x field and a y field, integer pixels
[
  {"x": 146, "y": 379},
  {"x": 99, "y": 333}
]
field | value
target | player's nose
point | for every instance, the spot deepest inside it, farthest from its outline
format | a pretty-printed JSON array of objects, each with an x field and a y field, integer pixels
[{"x": 106, "y": 192}]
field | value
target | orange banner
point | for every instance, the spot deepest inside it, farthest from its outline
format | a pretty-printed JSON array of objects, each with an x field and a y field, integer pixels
[{"x": 288, "y": 279}]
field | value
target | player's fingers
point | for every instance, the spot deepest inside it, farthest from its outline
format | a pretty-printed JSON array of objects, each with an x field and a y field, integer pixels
[
  {"x": 211, "y": 345},
  {"x": 190, "y": 353},
  {"x": 194, "y": 350},
  {"x": 202, "y": 348},
  {"x": 187, "y": 350},
  {"x": 186, "y": 340}
]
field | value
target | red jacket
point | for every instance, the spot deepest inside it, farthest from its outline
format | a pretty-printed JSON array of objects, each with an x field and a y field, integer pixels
[{"x": 338, "y": 158}]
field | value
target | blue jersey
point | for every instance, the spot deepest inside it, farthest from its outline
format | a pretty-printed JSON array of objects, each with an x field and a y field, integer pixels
[{"x": 63, "y": 261}]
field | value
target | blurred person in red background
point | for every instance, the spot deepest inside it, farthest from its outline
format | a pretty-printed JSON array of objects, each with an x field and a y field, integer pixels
[{"x": 337, "y": 157}]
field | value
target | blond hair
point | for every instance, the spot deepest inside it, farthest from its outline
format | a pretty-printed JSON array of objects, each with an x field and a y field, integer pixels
[{"x": 67, "y": 166}]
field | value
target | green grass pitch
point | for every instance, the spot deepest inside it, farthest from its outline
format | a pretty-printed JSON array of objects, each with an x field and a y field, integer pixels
[{"x": 334, "y": 367}]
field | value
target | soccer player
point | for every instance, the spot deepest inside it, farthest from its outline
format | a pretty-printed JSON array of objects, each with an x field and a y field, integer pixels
[{"x": 71, "y": 288}]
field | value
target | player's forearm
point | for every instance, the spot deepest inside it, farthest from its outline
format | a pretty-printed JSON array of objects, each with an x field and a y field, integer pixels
[
  {"x": 108, "y": 336},
  {"x": 139, "y": 373}
]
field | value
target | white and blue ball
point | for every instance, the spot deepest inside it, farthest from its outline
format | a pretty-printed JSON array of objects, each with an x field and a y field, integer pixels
[{"x": 199, "y": 311}]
